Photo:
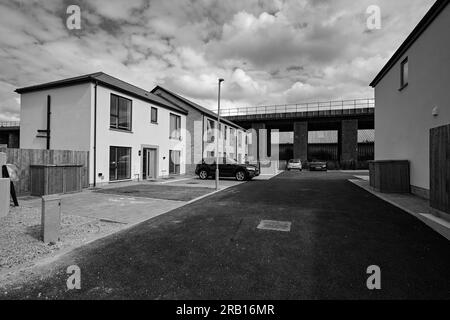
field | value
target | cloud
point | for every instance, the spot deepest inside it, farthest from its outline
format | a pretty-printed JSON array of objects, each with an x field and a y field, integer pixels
[{"x": 269, "y": 52}]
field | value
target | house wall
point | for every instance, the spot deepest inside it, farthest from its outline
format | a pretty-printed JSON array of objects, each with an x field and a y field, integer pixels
[
  {"x": 194, "y": 129},
  {"x": 72, "y": 127},
  {"x": 70, "y": 118},
  {"x": 197, "y": 137},
  {"x": 403, "y": 118},
  {"x": 143, "y": 133},
  {"x": 230, "y": 146}
]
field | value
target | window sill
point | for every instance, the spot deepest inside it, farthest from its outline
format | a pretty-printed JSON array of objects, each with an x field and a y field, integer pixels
[
  {"x": 153, "y": 122},
  {"x": 121, "y": 130},
  {"x": 403, "y": 87},
  {"x": 177, "y": 139}
]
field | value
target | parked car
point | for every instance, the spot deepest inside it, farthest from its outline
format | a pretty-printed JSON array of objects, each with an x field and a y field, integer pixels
[
  {"x": 294, "y": 164},
  {"x": 317, "y": 165},
  {"x": 227, "y": 168}
]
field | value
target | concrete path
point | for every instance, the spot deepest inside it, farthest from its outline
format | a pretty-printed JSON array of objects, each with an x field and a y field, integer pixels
[
  {"x": 212, "y": 249},
  {"x": 110, "y": 207}
]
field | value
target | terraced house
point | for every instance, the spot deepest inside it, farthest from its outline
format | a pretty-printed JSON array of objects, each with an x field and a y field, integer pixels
[
  {"x": 129, "y": 132},
  {"x": 201, "y": 123}
]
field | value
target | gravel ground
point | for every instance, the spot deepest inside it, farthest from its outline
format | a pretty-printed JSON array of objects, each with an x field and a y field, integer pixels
[{"x": 20, "y": 244}]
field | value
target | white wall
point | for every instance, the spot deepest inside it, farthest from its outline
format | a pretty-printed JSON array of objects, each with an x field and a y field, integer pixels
[
  {"x": 403, "y": 118},
  {"x": 143, "y": 133},
  {"x": 72, "y": 129},
  {"x": 70, "y": 118}
]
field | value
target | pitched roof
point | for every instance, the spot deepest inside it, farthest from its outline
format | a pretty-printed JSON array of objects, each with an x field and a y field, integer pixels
[
  {"x": 109, "y": 82},
  {"x": 196, "y": 106},
  {"x": 431, "y": 15}
]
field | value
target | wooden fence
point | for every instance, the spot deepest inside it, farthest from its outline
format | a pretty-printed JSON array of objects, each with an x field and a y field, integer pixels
[
  {"x": 440, "y": 168},
  {"x": 24, "y": 158}
]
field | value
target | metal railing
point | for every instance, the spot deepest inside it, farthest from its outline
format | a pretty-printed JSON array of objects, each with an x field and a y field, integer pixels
[
  {"x": 9, "y": 123},
  {"x": 302, "y": 107}
]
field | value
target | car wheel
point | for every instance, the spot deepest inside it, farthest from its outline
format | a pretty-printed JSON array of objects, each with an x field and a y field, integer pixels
[
  {"x": 203, "y": 174},
  {"x": 240, "y": 175}
]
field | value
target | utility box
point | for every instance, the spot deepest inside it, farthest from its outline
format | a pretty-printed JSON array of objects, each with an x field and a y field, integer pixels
[
  {"x": 4, "y": 196},
  {"x": 390, "y": 176},
  {"x": 51, "y": 219}
]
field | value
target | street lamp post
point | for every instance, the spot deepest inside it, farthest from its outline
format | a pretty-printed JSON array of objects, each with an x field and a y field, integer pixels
[{"x": 217, "y": 138}]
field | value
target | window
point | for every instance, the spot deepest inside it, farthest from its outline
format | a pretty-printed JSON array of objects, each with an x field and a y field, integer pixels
[
  {"x": 175, "y": 126},
  {"x": 210, "y": 126},
  {"x": 120, "y": 113},
  {"x": 210, "y": 154},
  {"x": 225, "y": 132},
  {"x": 232, "y": 137},
  {"x": 404, "y": 73},
  {"x": 119, "y": 163},
  {"x": 174, "y": 162},
  {"x": 154, "y": 115},
  {"x": 239, "y": 139}
]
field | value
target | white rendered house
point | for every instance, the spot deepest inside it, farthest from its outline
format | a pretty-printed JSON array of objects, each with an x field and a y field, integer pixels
[{"x": 130, "y": 133}]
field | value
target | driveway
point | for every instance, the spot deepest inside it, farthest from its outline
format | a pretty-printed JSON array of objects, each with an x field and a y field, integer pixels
[{"x": 212, "y": 249}]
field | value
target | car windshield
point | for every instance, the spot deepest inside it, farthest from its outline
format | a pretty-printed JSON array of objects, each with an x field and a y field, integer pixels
[
  {"x": 294, "y": 161},
  {"x": 230, "y": 161}
]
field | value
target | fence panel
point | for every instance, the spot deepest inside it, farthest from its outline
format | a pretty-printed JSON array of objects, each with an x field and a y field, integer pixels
[
  {"x": 440, "y": 168},
  {"x": 23, "y": 158}
]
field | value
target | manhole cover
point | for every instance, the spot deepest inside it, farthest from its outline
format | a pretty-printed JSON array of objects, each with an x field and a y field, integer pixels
[{"x": 284, "y": 226}]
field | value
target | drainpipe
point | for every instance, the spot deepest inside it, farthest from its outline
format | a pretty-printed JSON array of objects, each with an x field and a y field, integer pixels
[
  {"x": 49, "y": 101},
  {"x": 95, "y": 133}
]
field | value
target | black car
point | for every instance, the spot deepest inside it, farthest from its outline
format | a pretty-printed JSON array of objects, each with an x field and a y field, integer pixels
[
  {"x": 318, "y": 165},
  {"x": 227, "y": 168}
]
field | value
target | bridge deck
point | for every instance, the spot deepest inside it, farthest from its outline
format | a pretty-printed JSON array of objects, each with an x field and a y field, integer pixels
[{"x": 303, "y": 114}]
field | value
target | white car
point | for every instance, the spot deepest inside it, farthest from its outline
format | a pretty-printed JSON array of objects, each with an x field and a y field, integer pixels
[{"x": 294, "y": 164}]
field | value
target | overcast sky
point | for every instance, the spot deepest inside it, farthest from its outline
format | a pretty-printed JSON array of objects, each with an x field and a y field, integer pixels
[{"x": 269, "y": 52}]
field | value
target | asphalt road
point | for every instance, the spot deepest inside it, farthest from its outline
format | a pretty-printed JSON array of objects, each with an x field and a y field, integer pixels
[{"x": 211, "y": 249}]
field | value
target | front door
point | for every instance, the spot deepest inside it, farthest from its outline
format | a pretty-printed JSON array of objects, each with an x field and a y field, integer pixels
[
  {"x": 174, "y": 162},
  {"x": 149, "y": 164}
]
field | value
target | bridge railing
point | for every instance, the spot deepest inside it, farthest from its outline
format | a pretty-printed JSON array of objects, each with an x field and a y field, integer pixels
[
  {"x": 342, "y": 105},
  {"x": 9, "y": 123}
]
